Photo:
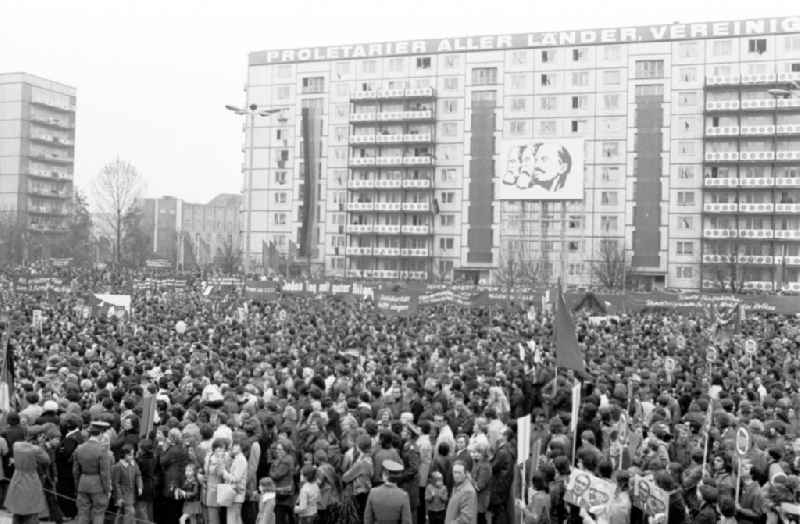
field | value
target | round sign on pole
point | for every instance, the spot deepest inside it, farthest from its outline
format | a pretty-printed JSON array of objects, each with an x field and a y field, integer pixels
[
  {"x": 750, "y": 346},
  {"x": 742, "y": 441},
  {"x": 711, "y": 354},
  {"x": 680, "y": 341},
  {"x": 669, "y": 364}
]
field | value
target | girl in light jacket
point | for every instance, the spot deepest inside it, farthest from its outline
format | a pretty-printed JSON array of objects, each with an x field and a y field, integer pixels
[{"x": 236, "y": 474}]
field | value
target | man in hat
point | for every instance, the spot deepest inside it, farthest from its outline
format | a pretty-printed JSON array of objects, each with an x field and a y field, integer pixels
[
  {"x": 387, "y": 503},
  {"x": 92, "y": 471}
]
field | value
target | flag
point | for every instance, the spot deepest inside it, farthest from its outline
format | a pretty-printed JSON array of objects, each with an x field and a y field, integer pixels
[
  {"x": 6, "y": 375},
  {"x": 568, "y": 354},
  {"x": 292, "y": 251},
  {"x": 435, "y": 207}
]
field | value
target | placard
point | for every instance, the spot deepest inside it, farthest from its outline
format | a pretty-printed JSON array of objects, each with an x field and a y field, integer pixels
[{"x": 586, "y": 490}]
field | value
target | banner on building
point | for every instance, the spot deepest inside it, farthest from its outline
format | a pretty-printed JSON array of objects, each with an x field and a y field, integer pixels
[{"x": 540, "y": 169}]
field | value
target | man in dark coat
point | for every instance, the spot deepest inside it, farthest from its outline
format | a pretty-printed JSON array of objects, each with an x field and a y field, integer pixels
[
  {"x": 387, "y": 503},
  {"x": 409, "y": 479},
  {"x": 65, "y": 484},
  {"x": 91, "y": 469},
  {"x": 172, "y": 463},
  {"x": 502, "y": 476}
]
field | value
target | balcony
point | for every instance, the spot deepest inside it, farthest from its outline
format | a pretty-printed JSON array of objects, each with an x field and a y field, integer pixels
[
  {"x": 722, "y": 105},
  {"x": 52, "y": 105},
  {"x": 789, "y": 76},
  {"x": 388, "y": 207},
  {"x": 757, "y": 156},
  {"x": 722, "y": 156},
  {"x": 792, "y": 287},
  {"x": 357, "y": 251},
  {"x": 760, "y": 78},
  {"x": 362, "y": 139},
  {"x": 387, "y": 229},
  {"x": 415, "y": 230},
  {"x": 419, "y": 92},
  {"x": 50, "y": 175},
  {"x": 763, "y": 130},
  {"x": 789, "y": 129},
  {"x": 388, "y": 183},
  {"x": 355, "y": 273},
  {"x": 362, "y": 117},
  {"x": 362, "y": 161},
  {"x": 719, "y": 233},
  {"x": 416, "y": 206},
  {"x": 414, "y": 252},
  {"x": 722, "y": 80},
  {"x": 720, "y": 207},
  {"x": 758, "y": 103},
  {"x": 51, "y": 157},
  {"x": 361, "y": 184},
  {"x": 755, "y": 234},
  {"x": 716, "y": 259},
  {"x": 48, "y": 192},
  {"x": 413, "y": 275},
  {"x": 359, "y": 228},
  {"x": 759, "y": 260},
  {"x": 788, "y": 103},
  {"x": 416, "y": 183},
  {"x": 789, "y": 156},
  {"x": 43, "y": 210},
  {"x": 720, "y": 182},
  {"x": 787, "y": 182},
  {"x": 760, "y": 285},
  {"x": 52, "y": 121},
  {"x": 386, "y": 251},
  {"x": 755, "y": 207},
  {"x": 787, "y": 234},
  {"x": 789, "y": 260},
  {"x": 410, "y": 138},
  {"x": 360, "y": 206},
  {"x": 363, "y": 95},
  {"x": 787, "y": 208},
  {"x": 392, "y": 274},
  {"x": 722, "y": 131},
  {"x": 400, "y": 116},
  {"x": 757, "y": 182}
]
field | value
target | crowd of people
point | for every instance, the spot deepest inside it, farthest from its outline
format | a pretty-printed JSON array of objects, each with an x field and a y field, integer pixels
[{"x": 309, "y": 409}]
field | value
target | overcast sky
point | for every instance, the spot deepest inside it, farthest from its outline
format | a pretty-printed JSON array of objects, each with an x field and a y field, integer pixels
[{"x": 153, "y": 75}]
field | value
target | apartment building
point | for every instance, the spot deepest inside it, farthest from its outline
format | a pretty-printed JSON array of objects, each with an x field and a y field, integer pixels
[{"x": 676, "y": 146}]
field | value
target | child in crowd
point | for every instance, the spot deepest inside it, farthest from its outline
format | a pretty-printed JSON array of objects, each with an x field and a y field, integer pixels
[
  {"x": 436, "y": 498},
  {"x": 190, "y": 493},
  {"x": 266, "y": 501},
  {"x": 308, "y": 499}
]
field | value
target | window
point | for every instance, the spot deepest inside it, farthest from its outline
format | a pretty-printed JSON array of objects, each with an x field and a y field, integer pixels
[
  {"x": 684, "y": 248},
  {"x": 451, "y": 61},
  {"x": 685, "y": 198},
  {"x": 369, "y": 66},
  {"x": 687, "y": 99},
  {"x": 518, "y": 127},
  {"x": 447, "y": 220},
  {"x": 284, "y": 71},
  {"x": 791, "y": 43},
  {"x": 608, "y": 223},
  {"x": 396, "y": 65},
  {"x": 609, "y": 174},
  {"x": 547, "y": 127},
  {"x": 446, "y": 244},
  {"x": 341, "y": 110},
  {"x": 683, "y": 271},
  {"x": 578, "y": 55},
  {"x": 280, "y": 177},
  {"x": 722, "y": 47},
  {"x": 687, "y": 49},
  {"x": 450, "y": 106},
  {"x": 612, "y": 78},
  {"x": 484, "y": 76},
  {"x": 686, "y": 172},
  {"x": 548, "y": 80},
  {"x": 342, "y": 68},
  {"x": 445, "y": 267},
  {"x": 313, "y": 84},
  {"x": 649, "y": 69},
  {"x": 548, "y": 56},
  {"x": 548, "y": 103},
  {"x": 447, "y": 175},
  {"x": 341, "y": 89},
  {"x": 448, "y": 197},
  {"x": 612, "y": 52},
  {"x": 449, "y": 129},
  {"x": 575, "y": 125},
  {"x": 757, "y": 46},
  {"x": 610, "y": 149},
  {"x": 685, "y": 223},
  {"x": 283, "y": 92},
  {"x": 608, "y": 198},
  {"x": 611, "y": 101},
  {"x": 519, "y": 57},
  {"x": 795, "y": 67},
  {"x": 579, "y": 102},
  {"x": 279, "y": 219},
  {"x": 423, "y": 62},
  {"x": 517, "y": 105},
  {"x": 688, "y": 74},
  {"x": 575, "y": 222},
  {"x": 580, "y": 78},
  {"x": 686, "y": 148},
  {"x": 451, "y": 83},
  {"x": 575, "y": 269},
  {"x": 280, "y": 197},
  {"x": 518, "y": 81}
]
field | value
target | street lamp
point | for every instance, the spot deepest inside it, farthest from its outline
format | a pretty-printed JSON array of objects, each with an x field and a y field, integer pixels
[
  {"x": 777, "y": 93},
  {"x": 251, "y": 112}
]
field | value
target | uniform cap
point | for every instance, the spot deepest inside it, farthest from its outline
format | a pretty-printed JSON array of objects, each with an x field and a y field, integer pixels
[
  {"x": 392, "y": 467},
  {"x": 101, "y": 425}
]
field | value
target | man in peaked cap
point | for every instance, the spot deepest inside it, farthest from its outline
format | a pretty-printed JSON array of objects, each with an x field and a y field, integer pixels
[
  {"x": 387, "y": 503},
  {"x": 92, "y": 471}
]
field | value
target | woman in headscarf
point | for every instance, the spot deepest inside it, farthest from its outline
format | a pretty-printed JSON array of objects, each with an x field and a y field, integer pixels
[{"x": 25, "y": 497}]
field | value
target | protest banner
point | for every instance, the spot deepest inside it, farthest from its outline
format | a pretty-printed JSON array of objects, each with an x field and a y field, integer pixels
[
  {"x": 648, "y": 497},
  {"x": 396, "y": 303},
  {"x": 258, "y": 290},
  {"x": 586, "y": 490}
]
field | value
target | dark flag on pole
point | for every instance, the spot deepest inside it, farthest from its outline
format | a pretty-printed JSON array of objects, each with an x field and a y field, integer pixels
[
  {"x": 7, "y": 402},
  {"x": 568, "y": 354}
]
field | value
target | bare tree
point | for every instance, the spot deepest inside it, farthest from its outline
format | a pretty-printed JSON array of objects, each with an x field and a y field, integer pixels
[
  {"x": 228, "y": 257},
  {"x": 11, "y": 237},
  {"x": 609, "y": 268},
  {"x": 116, "y": 189}
]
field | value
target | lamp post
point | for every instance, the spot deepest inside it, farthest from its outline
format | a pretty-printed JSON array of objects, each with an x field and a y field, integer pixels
[
  {"x": 251, "y": 112},
  {"x": 777, "y": 94}
]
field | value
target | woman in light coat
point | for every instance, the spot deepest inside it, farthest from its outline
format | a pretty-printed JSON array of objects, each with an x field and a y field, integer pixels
[
  {"x": 236, "y": 474},
  {"x": 216, "y": 464},
  {"x": 25, "y": 497}
]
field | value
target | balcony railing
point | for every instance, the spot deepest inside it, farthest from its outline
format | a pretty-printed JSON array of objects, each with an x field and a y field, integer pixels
[
  {"x": 415, "y": 230},
  {"x": 789, "y": 76},
  {"x": 361, "y": 184},
  {"x": 417, "y": 92},
  {"x": 762, "y": 130},
  {"x": 416, "y": 206},
  {"x": 787, "y": 234},
  {"x": 755, "y": 233},
  {"x": 789, "y": 129},
  {"x": 362, "y": 161},
  {"x": 756, "y": 156},
  {"x": 758, "y": 103},
  {"x": 422, "y": 114},
  {"x": 53, "y": 105},
  {"x": 788, "y": 155},
  {"x": 722, "y": 156},
  {"x": 51, "y": 157},
  {"x": 722, "y": 105},
  {"x": 720, "y": 207},
  {"x": 722, "y": 80},
  {"x": 355, "y": 273},
  {"x": 719, "y": 233},
  {"x": 757, "y": 182},
  {"x": 787, "y": 208},
  {"x": 755, "y": 207},
  {"x": 414, "y": 252},
  {"x": 760, "y": 285},
  {"x": 388, "y": 183},
  {"x": 792, "y": 287},
  {"x": 417, "y": 183},
  {"x": 414, "y": 275},
  {"x": 366, "y": 116},
  {"x": 362, "y": 139},
  {"x": 755, "y": 259},
  {"x": 387, "y": 229},
  {"x": 722, "y": 131},
  {"x": 759, "y": 78},
  {"x": 384, "y": 274},
  {"x": 51, "y": 121},
  {"x": 363, "y": 95},
  {"x": 410, "y": 138},
  {"x": 390, "y": 207},
  {"x": 358, "y": 251},
  {"x": 386, "y": 251},
  {"x": 789, "y": 260},
  {"x": 787, "y": 103},
  {"x": 403, "y": 160},
  {"x": 360, "y": 206},
  {"x": 716, "y": 259},
  {"x": 359, "y": 228},
  {"x": 720, "y": 182},
  {"x": 787, "y": 182}
]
